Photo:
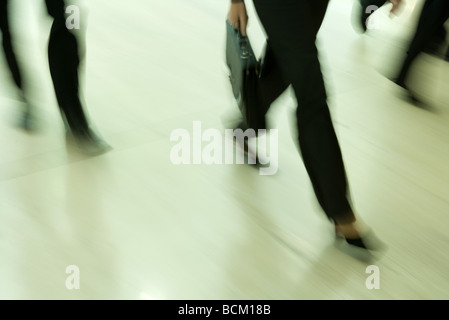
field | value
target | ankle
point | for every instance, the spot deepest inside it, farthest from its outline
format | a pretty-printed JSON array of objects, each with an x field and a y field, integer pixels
[{"x": 351, "y": 230}]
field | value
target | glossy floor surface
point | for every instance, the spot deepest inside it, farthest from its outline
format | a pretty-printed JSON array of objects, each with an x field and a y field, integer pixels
[{"x": 131, "y": 224}]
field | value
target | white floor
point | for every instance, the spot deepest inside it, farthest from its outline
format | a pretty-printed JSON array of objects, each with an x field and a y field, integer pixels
[{"x": 137, "y": 226}]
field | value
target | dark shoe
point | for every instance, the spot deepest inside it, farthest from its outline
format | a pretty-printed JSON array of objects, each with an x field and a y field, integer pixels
[
  {"x": 408, "y": 96},
  {"x": 28, "y": 120},
  {"x": 89, "y": 143},
  {"x": 366, "y": 247},
  {"x": 355, "y": 242}
]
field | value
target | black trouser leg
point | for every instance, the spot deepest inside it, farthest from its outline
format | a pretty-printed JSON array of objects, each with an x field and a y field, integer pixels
[
  {"x": 7, "y": 44},
  {"x": 63, "y": 56},
  {"x": 433, "y": 16},
  {"x": 291, "y": 27}
]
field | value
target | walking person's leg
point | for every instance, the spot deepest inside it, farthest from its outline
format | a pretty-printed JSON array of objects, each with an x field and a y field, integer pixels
[
  {"x": 433, "y": 16},
  {"x": 26, "y": 120},
  {"x": 8, "y": 49},
  {"x": 291, "y": 27},
  {"x": 64, "y": 61}
]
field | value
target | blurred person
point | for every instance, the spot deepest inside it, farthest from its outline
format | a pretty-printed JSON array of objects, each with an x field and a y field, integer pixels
[
  {"x": 291, "y": 27},
  {"x": 26, "y": 121},
  {"x": 64, "y": 59},
  {"x": 434, "y": 15},
  {"x": 364, "y": 9}
]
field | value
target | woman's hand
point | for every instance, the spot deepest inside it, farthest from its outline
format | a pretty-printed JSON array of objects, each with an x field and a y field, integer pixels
[{"x": 238, "y": 17}]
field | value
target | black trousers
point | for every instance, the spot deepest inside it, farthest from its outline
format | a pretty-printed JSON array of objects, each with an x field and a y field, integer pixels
[
  {"x": 64, "y": 60},
  {"x": 10, "y": 55},
  {"x": 432, "y": 19},
  {"x": 292, "y": 27}
]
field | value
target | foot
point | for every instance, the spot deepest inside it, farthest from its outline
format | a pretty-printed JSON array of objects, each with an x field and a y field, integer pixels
[
  {"x": 356, "y": 235},
  {"x": 410, "y": 97},
  {"x": 350, "y": 230},
  {"x": 27, "y": 120},
  {"x": 89, "y": 143},
  {"x": 359, "y": 241}
]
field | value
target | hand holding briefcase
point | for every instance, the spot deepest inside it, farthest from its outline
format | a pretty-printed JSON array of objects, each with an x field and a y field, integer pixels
[{"x": 244, "y": 70}]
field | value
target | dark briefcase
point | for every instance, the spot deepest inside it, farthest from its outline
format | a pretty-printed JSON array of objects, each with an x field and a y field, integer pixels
[{"x": 244, "y": 71}]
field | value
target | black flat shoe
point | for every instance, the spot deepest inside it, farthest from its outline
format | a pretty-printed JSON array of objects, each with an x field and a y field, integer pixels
[
  {"x": 411, "y": 98},
  {"x": 28, "y": 120},
  {"x": 88, "y": 142},
  {"x": 356, "y": 242},
  {"x": 367, "y": 248}
]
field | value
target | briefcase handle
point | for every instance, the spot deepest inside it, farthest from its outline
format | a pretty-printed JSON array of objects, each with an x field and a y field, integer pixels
[{"x": 244, "y": 44}]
